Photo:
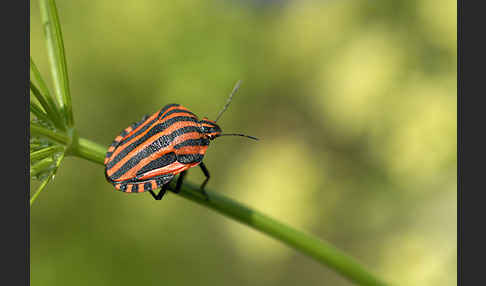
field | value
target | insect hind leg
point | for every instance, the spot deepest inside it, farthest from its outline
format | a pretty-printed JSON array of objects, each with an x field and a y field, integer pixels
[{"x": 162, "y": 192}]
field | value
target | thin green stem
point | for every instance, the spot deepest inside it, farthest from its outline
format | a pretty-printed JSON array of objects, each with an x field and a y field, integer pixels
[
  {"x": 35, "y": 73},
  {"x": 38, "y": 112},
  {"x": 42, "y": 87},
  {"x": 39, "y": 190},
  {"x": 47, "y": 179},
  {"x": 49, "y": 106},
  {"x": 58, "y": 137},
  {"x": 41, "y": 166},
  {"x": 320, "y": 250},
  {"x": 43, "y": 153},
  {"x": 57, "y": 58}
]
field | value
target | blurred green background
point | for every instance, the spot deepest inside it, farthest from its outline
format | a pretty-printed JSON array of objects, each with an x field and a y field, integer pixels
[{"x": 355, "y": 105}]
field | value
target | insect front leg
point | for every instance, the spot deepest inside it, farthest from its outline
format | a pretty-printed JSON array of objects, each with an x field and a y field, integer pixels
[
  {"x": 206, "y": 173},
  {"x": 161, "y": 193}
]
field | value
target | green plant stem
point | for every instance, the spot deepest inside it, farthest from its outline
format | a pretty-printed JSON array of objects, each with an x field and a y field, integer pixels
[
  {"x": 39, "y": 190},
  {"x": 89, "y": 150},
  {"x": 57, "y": 58},
  {"x": 37, "y": 111},
  {"x": 40, "y": 166},
  {"x": 320, "y": 250},
  {"x": 37, "y": 130},
  {"x": 45, "y": 152},
  {"x": 48, "y": 105},
  {"x": 47, "y": 179},
  {"x": 34, "y": 73}
]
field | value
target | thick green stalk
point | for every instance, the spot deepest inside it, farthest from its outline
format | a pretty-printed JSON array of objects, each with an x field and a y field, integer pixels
[
  {"x": 89, "y": 150},
  {"x": 320, "y": 250}
]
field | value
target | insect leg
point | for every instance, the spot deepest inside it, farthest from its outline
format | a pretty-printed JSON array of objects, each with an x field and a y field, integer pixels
[
  {"x": 161, "y": 193},
  {"x": 179, "y": 182},
  {"x": 206, "y": 173}
]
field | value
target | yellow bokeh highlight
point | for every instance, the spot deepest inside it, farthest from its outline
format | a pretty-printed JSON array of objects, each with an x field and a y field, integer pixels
[
  {"x": 352, "y": 86},
  {"x": 439, "y": 19},
  {"x": 284, "y": 180},
  {"x": 424, "y": 138}
]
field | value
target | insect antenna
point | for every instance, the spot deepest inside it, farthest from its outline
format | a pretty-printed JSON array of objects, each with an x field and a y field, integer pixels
[
  {"x": 235, "y": 89},
  {"x": 243, "y": 135}
]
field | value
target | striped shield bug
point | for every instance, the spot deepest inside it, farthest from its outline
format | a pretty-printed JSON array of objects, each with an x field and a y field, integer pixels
[{"x": 148, "y": 154}]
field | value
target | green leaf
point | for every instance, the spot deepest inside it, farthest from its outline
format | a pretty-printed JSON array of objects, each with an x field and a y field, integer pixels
[
  {"x": 56, "y": 55},
  {"x": 38, "y": 112},
  {"x": 41, "y": 166},
  {"x": 42, "y": 186},
  {"x": 48, "y": 105},
  {"x": 41, "y": 85},
  {"x": 46, "y": 152},
  {"x": 47, "y": 179},
  {"x": 55, "y": 137}
]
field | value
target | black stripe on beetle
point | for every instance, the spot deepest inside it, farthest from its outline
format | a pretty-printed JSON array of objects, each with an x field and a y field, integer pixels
[{"x": 161, "y": 142}]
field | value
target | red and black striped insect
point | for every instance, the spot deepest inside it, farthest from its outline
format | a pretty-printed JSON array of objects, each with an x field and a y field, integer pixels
[{"x": 148, "y": 154}]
